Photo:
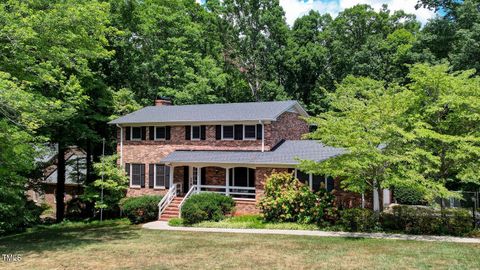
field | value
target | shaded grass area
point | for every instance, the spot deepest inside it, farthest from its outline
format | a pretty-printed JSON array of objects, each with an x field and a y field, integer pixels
[{"x": 118, "y": 245}]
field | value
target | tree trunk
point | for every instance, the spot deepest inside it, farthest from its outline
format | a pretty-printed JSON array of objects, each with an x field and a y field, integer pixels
[{"x": 60, "y": 213}]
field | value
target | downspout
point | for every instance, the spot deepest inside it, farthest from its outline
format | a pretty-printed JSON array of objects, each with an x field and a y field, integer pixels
[
  {"x": 263, "y": 135},
  {"x": 121, "y": 146}
]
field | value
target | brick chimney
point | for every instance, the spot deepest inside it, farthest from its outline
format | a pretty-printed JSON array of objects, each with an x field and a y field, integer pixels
[{"x": 163, "y": 101}]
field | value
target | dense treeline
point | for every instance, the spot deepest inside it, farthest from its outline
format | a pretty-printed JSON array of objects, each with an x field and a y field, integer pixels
[{"x": 67, "y": 67}]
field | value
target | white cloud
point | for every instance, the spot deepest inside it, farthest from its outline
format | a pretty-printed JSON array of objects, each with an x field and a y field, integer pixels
[{"x": 297, "y": 8}]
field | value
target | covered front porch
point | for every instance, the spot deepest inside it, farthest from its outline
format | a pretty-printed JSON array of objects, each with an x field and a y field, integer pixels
[{"x": 235, "y": 181}]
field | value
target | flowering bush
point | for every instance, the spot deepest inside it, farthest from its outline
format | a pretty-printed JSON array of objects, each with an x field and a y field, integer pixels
[{"x": 288, "y": 200}]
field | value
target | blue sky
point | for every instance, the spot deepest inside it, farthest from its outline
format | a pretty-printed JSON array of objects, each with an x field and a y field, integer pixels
[{"x": 296, "y": 8}]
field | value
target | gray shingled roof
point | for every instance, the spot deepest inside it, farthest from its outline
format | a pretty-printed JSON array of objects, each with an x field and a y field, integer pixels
[
  {"x": 249, "y": 111},
  {"x": 75, "y": 171},
  {"x": 287, "y": 153}
]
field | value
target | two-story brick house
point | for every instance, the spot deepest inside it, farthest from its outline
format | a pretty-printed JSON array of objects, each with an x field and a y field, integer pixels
[{"x": 227, "y": 148}]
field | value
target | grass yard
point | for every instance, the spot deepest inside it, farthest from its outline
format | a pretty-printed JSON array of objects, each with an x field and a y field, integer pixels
[{"x": 118, "y": 245}]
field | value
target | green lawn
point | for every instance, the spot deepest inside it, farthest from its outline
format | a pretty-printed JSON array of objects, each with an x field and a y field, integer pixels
[{"x": 118, "y": 245}]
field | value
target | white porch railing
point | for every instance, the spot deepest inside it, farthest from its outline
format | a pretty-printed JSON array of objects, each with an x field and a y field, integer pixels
[
  {"x": 192, "y": 190},
  {"x": 246, "y": 193},
  {"x": 167, "y": 199}
]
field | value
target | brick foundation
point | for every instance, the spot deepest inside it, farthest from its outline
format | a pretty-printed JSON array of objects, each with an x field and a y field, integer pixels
[{"x": 244, "y": 207}]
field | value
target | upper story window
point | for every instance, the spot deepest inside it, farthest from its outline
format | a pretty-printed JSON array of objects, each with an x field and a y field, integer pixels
[
  {"x": 160, "y": 133},
  {"x": 136, "y": 133},
  {"x": 250, "y": 132},
  {"x": 227, "y": 132},
  {"x": 239, "y": 132},
  {"x": 195, "y": 133}
]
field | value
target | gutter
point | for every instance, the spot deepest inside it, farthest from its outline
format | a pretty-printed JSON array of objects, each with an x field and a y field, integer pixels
[
  {"x": 121, "y": 145},
  {"x": 263, "y": 135}
]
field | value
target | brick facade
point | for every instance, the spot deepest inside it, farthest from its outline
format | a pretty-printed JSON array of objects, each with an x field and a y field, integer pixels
[{"x": 288, "y": 126}]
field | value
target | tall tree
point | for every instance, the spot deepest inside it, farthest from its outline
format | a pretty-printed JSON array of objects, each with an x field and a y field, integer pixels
[
  {"x": 49, "y": 47},
  {"x": 424, "y": 135},
  {"x": 255, "y": 44},
  {"x": 167, "y": 49},
  {"x": 308, "y": 60}
]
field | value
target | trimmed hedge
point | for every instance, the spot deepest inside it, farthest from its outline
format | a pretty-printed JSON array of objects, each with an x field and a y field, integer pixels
[
  {"x": 408, "y": 219},
  {"x": 206, "y": 206},
  {"x": 426, "y": 220},
  {"x": 358, "y": 220},
  {"x": 141, "y": 209}
]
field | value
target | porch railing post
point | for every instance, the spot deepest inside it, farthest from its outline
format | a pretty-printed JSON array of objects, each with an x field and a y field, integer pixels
[
  {"x": 227, "y": 182},
  {"x": 172, "y": 171},
  {"x": 199, "y": 180}
]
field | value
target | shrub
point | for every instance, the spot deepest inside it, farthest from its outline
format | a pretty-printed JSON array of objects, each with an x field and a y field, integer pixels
[
  {"x": 206, "y": 206},
  {"x": 426, "y": 220},
  {"x": 409, "y": 196},
  {"x": 77, "y": 210},
  {"x": 358, "y": 220},
  {"x": 141, "y": 209},
  {"x": 288, "y": 200},
  {"x": 175, "y": 222}
]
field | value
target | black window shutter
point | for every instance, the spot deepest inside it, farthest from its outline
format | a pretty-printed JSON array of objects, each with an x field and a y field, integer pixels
[
  {"x": 238, "y": 132},
  {"x": 259, "y": 131},
  {"x": 203, "y": 174},
  {"x": 144, "y": 133},
  {"x": 142, "y": 175},
  {"x": 167, "y": 133},
  {"x": 203, "y": 131},
  {"x": 218, "y": 132},
  {"x": 127, "y": 133},
  {"x": 151, "y": 176},
  {"x": 330, "y": 184},
  {"x": 151, "y": 134},
  {"x": 127, "y": 169},
  {"x": 167, "y": 175},
  {"x": 187, "y": 132}
]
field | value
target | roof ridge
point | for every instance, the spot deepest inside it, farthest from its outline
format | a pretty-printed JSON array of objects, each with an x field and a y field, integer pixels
[{"x": 225, "y": 103}]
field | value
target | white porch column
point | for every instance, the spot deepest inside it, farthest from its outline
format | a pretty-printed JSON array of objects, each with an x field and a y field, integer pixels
[
  {"x": 386, "y": 197},
  {"x": 199, "y": 180},
  {"x": 376, "y": 198},
  {"x": 227, "y": 181},
  {"x": 172, "y": 172}
]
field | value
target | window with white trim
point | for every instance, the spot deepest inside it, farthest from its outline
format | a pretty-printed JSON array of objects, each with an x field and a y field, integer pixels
[
  {"x": 160, "y": 133},
  {"x": 162, "y": 175},
  {"x": 136, "y": 134},
  {"x": 227, "y": 132},
  {"x": 315, "y": 182},
  {"x": 135, "y": 175},
  {"x": 250, "y": 132},
  {"x": 195, "y": 132}
]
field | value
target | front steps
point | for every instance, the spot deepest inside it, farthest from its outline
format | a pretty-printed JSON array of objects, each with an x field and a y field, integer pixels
[
  {"x": 242, "y": 207},
  {"x": 172, "y": 210}
]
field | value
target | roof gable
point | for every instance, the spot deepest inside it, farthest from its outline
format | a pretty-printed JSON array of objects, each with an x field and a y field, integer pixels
[{"x": 224, "y": 112}]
